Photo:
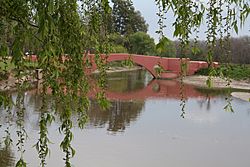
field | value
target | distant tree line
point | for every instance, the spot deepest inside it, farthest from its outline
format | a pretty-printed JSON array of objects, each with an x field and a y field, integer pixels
[{"x": 236, "y": 50}]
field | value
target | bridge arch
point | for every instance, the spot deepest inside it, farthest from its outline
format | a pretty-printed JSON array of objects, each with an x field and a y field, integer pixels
[
  {"x": 148, "y": 62},
  {"x": 138, "y": 60},
  {"x": 141, "y": 60}
]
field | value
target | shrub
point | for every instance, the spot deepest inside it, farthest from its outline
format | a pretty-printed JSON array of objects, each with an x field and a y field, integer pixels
[{"x": 237, "y": 72}]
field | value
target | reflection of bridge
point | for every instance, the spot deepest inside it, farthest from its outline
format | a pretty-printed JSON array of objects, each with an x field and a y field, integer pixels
[
  {"x": 171, "y": 66},
  {"x": 155, "y": 89}
]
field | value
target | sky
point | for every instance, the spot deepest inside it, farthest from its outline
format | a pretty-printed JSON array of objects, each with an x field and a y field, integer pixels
[{"x": 148, "y": 10}]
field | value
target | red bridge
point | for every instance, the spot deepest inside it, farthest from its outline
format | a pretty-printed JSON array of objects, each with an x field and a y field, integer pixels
[{"x": 171, "y": 67}]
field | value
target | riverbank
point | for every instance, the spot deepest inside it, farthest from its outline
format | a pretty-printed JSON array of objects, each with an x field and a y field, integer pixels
[
  {"x": 120, "y": 69},
  {"x": 219, "y": 83},
  {"x": 11, "y": 83},
  {"x": 200, "y": 81},
  {"x": 196, "y": 80}
]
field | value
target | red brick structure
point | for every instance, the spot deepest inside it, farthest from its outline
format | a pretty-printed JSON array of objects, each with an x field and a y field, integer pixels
[{"x": 171, "y": 66}]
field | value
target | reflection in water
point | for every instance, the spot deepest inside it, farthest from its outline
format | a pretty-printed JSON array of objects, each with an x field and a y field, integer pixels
[
  {"x": 205, "y": 102},
  {"x": 127, "y": 81},
  {"x": 146, "y": 113},
  {"x": 6, "y": 157},
  {"x": 117, "y": 117}
]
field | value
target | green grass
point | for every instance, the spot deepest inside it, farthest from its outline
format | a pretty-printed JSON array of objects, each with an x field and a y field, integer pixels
[
  {"x": 6, "y": 67},
  {"x": 237, "y": 72}
]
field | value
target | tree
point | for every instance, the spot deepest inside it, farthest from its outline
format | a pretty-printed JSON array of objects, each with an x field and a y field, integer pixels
[
  {"x": 126, "y": 19},
  {"x": 60, "y": 31},
  {"x": 141, "y": 43},
  {"x": 118, "y": 43},
  {"x": 167, "y": 49},
  {"x": 195, "y": 50}
]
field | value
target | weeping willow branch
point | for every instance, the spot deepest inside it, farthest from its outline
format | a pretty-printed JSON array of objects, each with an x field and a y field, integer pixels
[
  {"x": 46, "y": 119},
  {"x": 21, "y": 132}
]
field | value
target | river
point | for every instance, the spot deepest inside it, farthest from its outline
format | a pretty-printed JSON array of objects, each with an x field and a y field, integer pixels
[{"x": 145, "y": 126}]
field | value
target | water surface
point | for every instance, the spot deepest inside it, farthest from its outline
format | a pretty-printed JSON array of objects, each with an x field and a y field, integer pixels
[{"x": 143, "y": 129}]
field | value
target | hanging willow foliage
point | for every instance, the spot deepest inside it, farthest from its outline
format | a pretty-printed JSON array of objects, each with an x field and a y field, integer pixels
[
  {"x": 61, "y": 31},
  {"x": 190, "y": 14}
]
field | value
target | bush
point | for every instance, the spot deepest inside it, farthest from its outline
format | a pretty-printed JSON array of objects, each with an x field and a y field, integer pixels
[
  {"x": 237, "y": 72},
  {"x": 119, "y": 49}
]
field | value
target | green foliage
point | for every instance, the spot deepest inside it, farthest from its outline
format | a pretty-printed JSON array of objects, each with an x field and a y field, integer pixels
[
  {"x": 117, "y": 39},
  {"x": 118, "y": 43},
  {"x": 42, "y": 144},
  {"x": 237, "y": 72},
  {"x": 56, "y": 29},
  {"x": 165, "y": 48},
  {"x": 21, "y": 132},
  {"x": 141, "y": 43},
  {"x": 126, "y": 20},
  {"x": 119, "y": 49},
  {"x": 21, "y": 163},
  {"x": 136, "y": 43},
  {"x": 228, "y": 107},
  {"x": 159, "y": 69},
  {"x": 128, "y": 63}
]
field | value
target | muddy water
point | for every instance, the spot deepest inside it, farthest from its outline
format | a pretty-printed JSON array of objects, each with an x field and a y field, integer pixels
[{"x": 143, "y": 129}]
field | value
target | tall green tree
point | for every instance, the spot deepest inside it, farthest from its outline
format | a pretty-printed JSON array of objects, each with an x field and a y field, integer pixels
[
  {"x": 126, "y": 20},
  {"x": 141, "y": 43}
]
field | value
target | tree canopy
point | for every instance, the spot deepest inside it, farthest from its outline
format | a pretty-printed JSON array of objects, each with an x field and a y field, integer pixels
[
  {"x": 141, "y": 43},
  {"x": 126, "y": 20}
]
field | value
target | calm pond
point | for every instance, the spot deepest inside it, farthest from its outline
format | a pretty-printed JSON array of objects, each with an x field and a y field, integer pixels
[{"x": 145, "y": 127}]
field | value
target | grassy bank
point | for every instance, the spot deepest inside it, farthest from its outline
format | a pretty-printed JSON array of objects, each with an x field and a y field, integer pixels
[
  {"x": 234, "y": 71},
  {"x": 6, "y": 68}
]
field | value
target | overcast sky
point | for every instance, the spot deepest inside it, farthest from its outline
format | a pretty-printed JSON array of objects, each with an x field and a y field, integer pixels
[{"x": 148, "y": 10}]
